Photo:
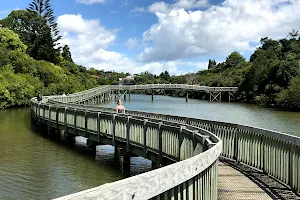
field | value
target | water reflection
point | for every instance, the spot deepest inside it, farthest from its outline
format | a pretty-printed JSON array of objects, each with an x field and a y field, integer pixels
[
  {"x": 108, "y": 154},
  {"x": 35, "y": 165}
]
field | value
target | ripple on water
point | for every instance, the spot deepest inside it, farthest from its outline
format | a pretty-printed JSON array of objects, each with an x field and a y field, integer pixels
[{"x": 36, "y": 166}]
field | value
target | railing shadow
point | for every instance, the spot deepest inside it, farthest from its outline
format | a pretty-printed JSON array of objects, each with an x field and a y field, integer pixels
[{"x": 273, "y": 187}]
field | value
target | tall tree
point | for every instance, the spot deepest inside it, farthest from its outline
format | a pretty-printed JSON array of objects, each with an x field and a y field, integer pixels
[
  {"x": 34, "y": 33},
  {"x": 66, "y": 53},
  {"x": 211, "y": 64},
  {"x": 234, "y": 59},
  {"x": 43, "y": 8},
  {"x": 294, "y": 33}
]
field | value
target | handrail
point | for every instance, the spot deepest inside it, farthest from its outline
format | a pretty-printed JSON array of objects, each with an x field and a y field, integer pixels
[
  {"x": 199, "y": 171},
  {"x": 82, "y": 96},
  {"x": 275, "y": 153}
]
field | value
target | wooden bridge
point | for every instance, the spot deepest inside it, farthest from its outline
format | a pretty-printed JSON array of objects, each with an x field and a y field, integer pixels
[
  {"x": 194, "y": 146},
  {"x": 87, "y": 97}
]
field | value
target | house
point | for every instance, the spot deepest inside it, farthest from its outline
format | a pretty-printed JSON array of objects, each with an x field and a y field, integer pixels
[
  {"x": 95, "y": 76},
  {"x": 128, "y": 80}
]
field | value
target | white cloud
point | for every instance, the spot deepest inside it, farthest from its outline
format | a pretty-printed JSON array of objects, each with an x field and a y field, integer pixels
[
  {"x": 160, "y": 7},
  {"x": 163, "y": 7},
  {"x": 132, "y": 43},
  {"x": 4, "y": 11},
  {"x": 84, "y": 36},
  {"x": 217, "y": 31},
  {"x": 90, "y": 1},
  {"x": 89, "y": 41},
  {"x": 121, "y": 63},
  {"x": 137, "y": 10},
  {"x": 189, "y": 4}
]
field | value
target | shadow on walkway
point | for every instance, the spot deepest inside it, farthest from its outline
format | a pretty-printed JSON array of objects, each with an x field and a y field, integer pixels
[{"x": 273, "y": 187}]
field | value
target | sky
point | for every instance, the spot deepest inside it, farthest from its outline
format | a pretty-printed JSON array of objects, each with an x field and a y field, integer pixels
[{"x": 179, "y": 36}]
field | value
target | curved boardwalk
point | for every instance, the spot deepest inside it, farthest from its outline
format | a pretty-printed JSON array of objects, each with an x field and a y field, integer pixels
[
  {"x": 233, "y": 185},
  {"x": 267, "y": 162}
]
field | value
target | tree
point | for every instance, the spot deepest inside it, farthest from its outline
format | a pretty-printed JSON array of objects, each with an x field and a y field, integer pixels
[
  {"x": 66, "y": 53},
  {"x": 11, "y": 41},
  {"x": 34, "y": 33},
  {"x": 234, "y": 59},
  {"x": 294, "y": 33},
  {"x": 211, "y": 64},
  {"x": 43, "y": 8},
  {"x": 290, "y": 98}
]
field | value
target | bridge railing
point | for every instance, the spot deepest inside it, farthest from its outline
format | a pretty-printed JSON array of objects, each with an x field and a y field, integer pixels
[
  {"x": 198, "y": 171},
  {"x": 88, "y": 94},
  {"x": 275, "y": 153}
]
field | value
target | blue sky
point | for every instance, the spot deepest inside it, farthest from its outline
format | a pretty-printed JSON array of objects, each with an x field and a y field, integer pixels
[{"x": 175, "y": 35}]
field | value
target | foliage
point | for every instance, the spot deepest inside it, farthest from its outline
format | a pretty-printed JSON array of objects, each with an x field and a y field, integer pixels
[
  {"x": 31, "y": 64},
  {"x": 11, "y": 41},
  {"x": 34, "y": 33},
  {"x": 211, "y": 64},
  {"x": 274, "y": 65},
  {"x": 16, "y": 89},
  {"x": 43, "y": 9},
  {"x": 234, "y": 59},
  {"x": 22, "y": 77},
  {"x": 66, "y": 53},
  {"x": 290, "y": 97}
]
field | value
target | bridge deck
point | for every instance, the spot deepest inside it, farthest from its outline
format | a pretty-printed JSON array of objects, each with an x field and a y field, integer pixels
[{"x": 232, "y": 184}]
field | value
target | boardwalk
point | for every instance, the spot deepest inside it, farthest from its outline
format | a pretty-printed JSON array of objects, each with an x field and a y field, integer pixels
[
  {"x": 233, "y": 185},
  {"x": 197, "y": 145}
]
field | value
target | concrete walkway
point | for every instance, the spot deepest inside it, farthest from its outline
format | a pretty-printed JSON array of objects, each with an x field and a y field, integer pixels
[{"x": 232, "y": 184}]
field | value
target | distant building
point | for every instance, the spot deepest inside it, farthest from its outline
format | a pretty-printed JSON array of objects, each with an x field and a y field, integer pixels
[
  {"x": 128, "y": 80},
  {"x": 95, "y": 76}
]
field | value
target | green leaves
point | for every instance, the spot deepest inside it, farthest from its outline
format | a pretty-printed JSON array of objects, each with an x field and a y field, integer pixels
[
  {"x": 11, "y": 41},
  {"x": 234, "y": 59},
  {"x": 34, "y": 33}
]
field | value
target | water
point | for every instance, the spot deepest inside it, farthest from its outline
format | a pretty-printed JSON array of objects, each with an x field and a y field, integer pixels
[
  {"x": 36, "y": 166},
  {"x": 247, "y": 114}
]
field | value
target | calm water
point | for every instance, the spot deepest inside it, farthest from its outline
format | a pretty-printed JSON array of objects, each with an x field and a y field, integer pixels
[
  {"x": 35, "y": 166},
  {"x": 253, "y": 115}
]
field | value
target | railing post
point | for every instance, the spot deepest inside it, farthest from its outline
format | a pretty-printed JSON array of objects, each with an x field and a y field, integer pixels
[
  {"x": 145, "y": 137},
  {"x": 56, "y": 118},
  {"x": 159, "y": 143},
  {"x": 49, "y": 118},
  {"x": 98, "y": 126},
  {"x": 180, "y": 140},
  {"x": 43, "y": 113},
  {"x": 262, "y": 144},
  {"x": 114, "y": 130},
  {"x": 128, "y": 134},
  {"x": 85, "y": 123},
  {"x": 291, "y": 167},
  {"x": 236, "y": 145},
  {"x": 75, "y": 121},
  {"x": 65, "y": 120},
  {"x": 38, "y": 113}
]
